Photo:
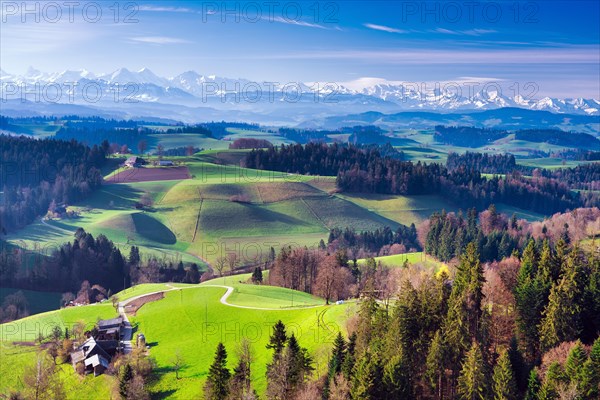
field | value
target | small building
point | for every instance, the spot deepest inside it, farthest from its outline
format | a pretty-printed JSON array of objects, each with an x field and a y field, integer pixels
[
  {"x": 141, "y": 340},
  {"x": 134, "y": 162},
  {"x": 109, "y": 329},
  {"x": 95, "y": 356}
]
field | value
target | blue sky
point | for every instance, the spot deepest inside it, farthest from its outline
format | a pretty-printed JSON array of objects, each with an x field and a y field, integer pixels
[{"x": 555, "y": 44}]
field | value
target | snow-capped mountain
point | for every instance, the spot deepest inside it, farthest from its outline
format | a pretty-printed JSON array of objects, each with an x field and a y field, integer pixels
[{"x": 366, "y": 94}]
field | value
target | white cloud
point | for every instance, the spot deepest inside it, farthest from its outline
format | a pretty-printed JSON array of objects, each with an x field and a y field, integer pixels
[
  {"x": 295, "y": 22},
  {"x": 166, "y": 9},
  {"x": 158, "y": 40},
  {"x": 384, "y": 28},
  {"x": 468, "y": 32},
  {"x": 580, "y": 54}
]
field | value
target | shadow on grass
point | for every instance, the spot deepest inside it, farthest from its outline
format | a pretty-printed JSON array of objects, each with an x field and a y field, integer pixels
[{"x": 163, "y": 394}]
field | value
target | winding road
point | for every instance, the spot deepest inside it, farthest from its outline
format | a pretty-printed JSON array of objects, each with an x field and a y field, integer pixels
[{"x": 223, "y": 299}]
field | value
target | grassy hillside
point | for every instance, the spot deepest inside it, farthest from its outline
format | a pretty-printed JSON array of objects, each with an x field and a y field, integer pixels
[
  {"x": 198, "y": 321},
  {"x": 191, "y": 320},
  {"x": 402, "y": 209},
  {"x": 226, "y": 208},
  {"x": 397, "y": 260},
  {"x": 221, "y": 209}
]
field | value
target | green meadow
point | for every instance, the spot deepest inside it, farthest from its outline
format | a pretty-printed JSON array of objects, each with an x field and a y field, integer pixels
[
  {"x": 398, "y": 260},
  {"x": 191, "y": 321}
]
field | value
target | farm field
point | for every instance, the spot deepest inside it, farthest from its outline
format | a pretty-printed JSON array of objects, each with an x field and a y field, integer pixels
[
  {"x": 174, "y": 140},
  {"x": 236, "y": 133},
  {"x": 133, "y": 175},
  {"x": 405, "y": 210},
  {"x": 225, "y": 208},
  {"x": 221, "y": 208}
]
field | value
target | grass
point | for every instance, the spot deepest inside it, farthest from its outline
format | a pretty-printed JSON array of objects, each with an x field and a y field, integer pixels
[
  {"x": 262, "y": 296},
  {"x": 198, "y": 321},
  {"x": 550, "y": 163},
  {"x": 401, "y": 209},
  {"x": 192, "y": 322},
  {"x": 175, "y": 140},
  {"x": 27, "y": 329},
  {"x": 15, "y": 357},
  {"x": 397, "y": 260}
]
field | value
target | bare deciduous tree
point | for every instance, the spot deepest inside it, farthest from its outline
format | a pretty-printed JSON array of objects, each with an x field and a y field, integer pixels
[
  {"x": 220, "y": 265},
  {"x": 178, "y": 363}
]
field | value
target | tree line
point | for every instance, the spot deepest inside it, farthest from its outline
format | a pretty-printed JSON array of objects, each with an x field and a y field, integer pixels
[
  {"x": 89, "y": 266},
  {"x": 523, "y": 328},
  {"x": 468, "y": 136},
  {"x": 364, "y": 169},
  {"x": 36, "y": 173}
]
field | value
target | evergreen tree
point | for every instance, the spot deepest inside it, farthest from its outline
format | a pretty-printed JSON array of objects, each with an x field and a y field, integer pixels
[
  {"x": 367, "y": 380},
  {"x": 217, "y": 381},
  {"x": 257, "y": 275},
  {"x": 435, "y": 364},
  {"x": 338, "y": 355},
  {"x": 462, "y": 323},
  {"x": 554, "y": 377},
  {"x": 472, "y": 381},
  {"x": 505, "y": 387},
  {"x": 518, "y": 364},
  {"x": 134, "y": 256},
  {"x": 350, "y": 358},
  {"x": 288, "y": 371},
  {"x": 278, "y": 338},
  {"x": 530, "y": 302},
  {"x": 533, "y": 386},
  {"x": 562, "y": 316},
  {"x": 574, "y": 364},
  {"x": 589, "y": 383},
  {"x": 397, "y": 378},
  {"x": 125, "y": 378}
]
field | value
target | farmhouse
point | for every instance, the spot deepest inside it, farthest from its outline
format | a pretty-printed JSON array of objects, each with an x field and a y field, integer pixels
[
  {"x": 134, "y": 162},
  {"x": 109, "y": 329},
  {"x": 95, "y": 354}
]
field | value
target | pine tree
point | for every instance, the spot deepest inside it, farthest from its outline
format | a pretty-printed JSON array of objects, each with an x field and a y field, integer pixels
[
  {"x": 562, "y": 317},
  {"x": 577, "y": 357},
  {"x": 462, "y": 323},
  {"x": 435, "y": 364},
  {"x": 217, "y": 381},
  {"x": 288, "y": 371},
  {"x": 589, "y": 384},
  {"x": 505, "y": 387},
  {"x": 367, "y": 382},
  {"x": 396, "y": 378},
  {"x": 547, "y": 271},
  {"x": 530, "y": 302},
  {"x": 257, "y": 276},
  {"x": 278, "y": 339},
  {"x": 533, "y": 386},
  {"x": 134, "y": 256},
  {"x": 125, "y": 378},
  {"x": 554, "y": 377},
  {"x": 338, "y": 355},
  {"x": 472, "y": 381},
  {"x": 350, "y": 358}
]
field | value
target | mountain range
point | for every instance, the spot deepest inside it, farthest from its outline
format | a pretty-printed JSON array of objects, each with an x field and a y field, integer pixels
[{"x": 192, "y": 97}]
